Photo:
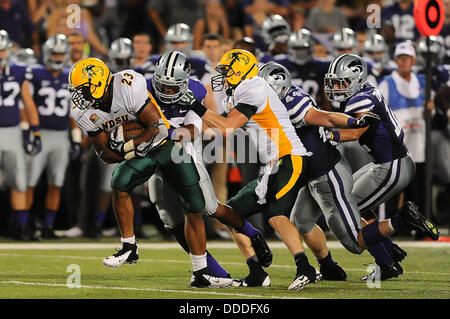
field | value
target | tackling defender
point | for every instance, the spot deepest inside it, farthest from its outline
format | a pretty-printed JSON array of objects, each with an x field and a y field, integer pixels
[{"x": 392, "y": 168}]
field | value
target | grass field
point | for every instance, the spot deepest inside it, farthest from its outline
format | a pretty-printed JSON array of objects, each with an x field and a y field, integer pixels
[{"x": 163, "y": 272}]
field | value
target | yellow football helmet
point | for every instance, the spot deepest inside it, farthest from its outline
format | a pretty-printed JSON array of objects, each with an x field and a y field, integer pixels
[
  {"x": 235, "y": 66},
  {"x": 88, "y": 81}
]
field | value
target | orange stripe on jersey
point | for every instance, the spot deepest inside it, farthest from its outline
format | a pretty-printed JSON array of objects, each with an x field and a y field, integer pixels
[
  {"x": 297, "y": 165},
  {"x": 268, "y": 121},
  {"x": 152, "y": 99}
]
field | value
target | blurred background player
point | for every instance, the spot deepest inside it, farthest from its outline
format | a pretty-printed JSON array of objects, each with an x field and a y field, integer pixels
[
  {"x": 376, "y": 52},
  {"x": 18, "y": 136},
  {"x": 48, "y": 87},
  {"x": 275, "y": 31},
  {"x": 142, "y": 48}
]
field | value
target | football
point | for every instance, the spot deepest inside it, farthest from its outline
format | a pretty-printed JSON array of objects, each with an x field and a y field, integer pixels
[{"x": 131, "y": 130}]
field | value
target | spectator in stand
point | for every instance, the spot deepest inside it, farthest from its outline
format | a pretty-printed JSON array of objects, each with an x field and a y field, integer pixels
[
  {"x": 77, "y": 45},
  {"x": 214, "y": 21},
  {"x": 15, "y": 19},
  {"x": 166, "y": 13},
  {"x": 256, "y": 11},
  {"x": 57, "y": 23},
  {"x": 326, "y": 18},
  {"x": 297, "y": 18},
  {"x": 445, "y": 32}
]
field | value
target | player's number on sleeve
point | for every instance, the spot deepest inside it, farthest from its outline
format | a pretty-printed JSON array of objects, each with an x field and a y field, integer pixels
[{"x": 129, "y": 80}]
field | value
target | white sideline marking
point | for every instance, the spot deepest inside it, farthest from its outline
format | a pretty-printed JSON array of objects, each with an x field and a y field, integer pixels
[
  {"x": 173, "y": 245},
  {"x": 203, "y": 292}
]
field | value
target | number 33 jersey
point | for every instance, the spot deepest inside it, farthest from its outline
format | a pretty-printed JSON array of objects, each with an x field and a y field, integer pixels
[
  {"x": 129, "y": 97},
  {"x": 51, "y": 96}
]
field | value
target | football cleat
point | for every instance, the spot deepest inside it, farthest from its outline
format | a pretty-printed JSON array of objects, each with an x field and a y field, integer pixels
[
  {"x": 384, "y": 272},
  {"x": 398, "y": 254},
  {"x": 262, "y": 250},
  {"x": 311, "y": 275},
  {"x": 411, "y": 217},
  {"x": 254, "y": 279},
  {"x": 203, "y": 279},
  {"x": 127, "y": 255},
  {"x": 49, "y": 233},
  {"x": 332, "y": 272}
]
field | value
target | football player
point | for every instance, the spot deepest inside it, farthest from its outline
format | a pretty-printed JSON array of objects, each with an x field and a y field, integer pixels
[
  {"x": 275, "y": 31},
  {"x": 48, "y": 87},
  {"x": 179, "y": 37},
  {"x": 306, "y": 71},
  {"x": 330, "y": 185},
  {"x": 15, "y": 135},
  {"x": 376, "y": 51},
  {"x": 253, "y": 105},
  {"x": 187, "y": 127},
  {"x": 392, "y": 168},
  {"x": 102, "y": 102}
]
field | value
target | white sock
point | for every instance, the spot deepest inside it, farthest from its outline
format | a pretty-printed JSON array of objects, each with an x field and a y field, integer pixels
[
  {"x": 130, "y": 240},
  {"x": 390, "y": 225},
  {"x": 198, "y": 261}
]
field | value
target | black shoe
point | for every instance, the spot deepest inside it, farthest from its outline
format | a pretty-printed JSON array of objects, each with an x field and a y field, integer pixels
[
  {"x": 204, "y": 279},
  {"x": 397, "y": 253},
  {"x": 48, "y": 233},
  {"x": 127, "y": 255},
  {"x": 262, "y": 250},
  {"x": 25, "y": 233},
  {"x": 384, "y": 272},
  {"x": 256, "y": 278},
  {"x": 332, "y": 272},
  {"x": 96, "y": 232},
  {"x": 411, "y": 217}
]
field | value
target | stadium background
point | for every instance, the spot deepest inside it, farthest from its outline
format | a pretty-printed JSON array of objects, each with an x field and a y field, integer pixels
[{"x": 30, "y": 23}]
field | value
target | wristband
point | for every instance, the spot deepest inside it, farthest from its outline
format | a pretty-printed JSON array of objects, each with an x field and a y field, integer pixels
[
  {"x": 199, "y": 108},
  {"x": 128, "y": 146},
  {"x": 24, "y": 125},
  {"x": 335, "y": 136},
  {"x": 351, "y": 122},
  {"x": 36, "y": 130},
  {"x": 77, "y": 135}
]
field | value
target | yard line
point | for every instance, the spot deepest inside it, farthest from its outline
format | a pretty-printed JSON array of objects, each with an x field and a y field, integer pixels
[
  {"x": 13, "y": 282},
  {"x": 188, "y": 261},
  {"x": 173, "y": 245}
]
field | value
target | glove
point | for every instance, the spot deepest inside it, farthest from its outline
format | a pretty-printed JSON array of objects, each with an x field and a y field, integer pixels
[
  {"x": 75, "y": 151},
  {"x": 36, "y": 142},
  {"x": 188, "y": 101},
  {"x": 365, "y": 120},
  {"x": 116, "y": 143},
  {"x": 332, "y": 136},
  {"x": 142, "y": 149},
  {"x": 26, "y": 136}
]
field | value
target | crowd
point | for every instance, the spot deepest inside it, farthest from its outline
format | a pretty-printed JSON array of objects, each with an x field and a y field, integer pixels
[{"x": 42, "y": 39}]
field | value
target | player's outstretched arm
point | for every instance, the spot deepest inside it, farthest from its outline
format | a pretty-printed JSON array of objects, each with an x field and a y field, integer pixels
[{"x": 338, "y": 120}]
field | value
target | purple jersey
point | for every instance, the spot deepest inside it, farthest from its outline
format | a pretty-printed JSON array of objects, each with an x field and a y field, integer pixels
[
  {"x": 11, "y": 79},
  {"x": 308, "y": 76},
  {"x": 146, "y": 69},
  {"x": 385, "y": 140},
  {"x": 200, "y": 67},
  {"x": 325, "y": 156},
  {"x": 402, "y": 21},
  {"x": 176, "y": 111},
  {"x": 51, "y": 96}
]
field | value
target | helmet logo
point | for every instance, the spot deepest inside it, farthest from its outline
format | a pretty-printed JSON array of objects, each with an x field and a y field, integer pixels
[
  {"x": 92, "y": 70},
  {"x": 239, "y": 56}
]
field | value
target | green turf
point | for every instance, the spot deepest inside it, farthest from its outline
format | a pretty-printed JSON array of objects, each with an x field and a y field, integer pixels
[{"x": 165, "y": 274}]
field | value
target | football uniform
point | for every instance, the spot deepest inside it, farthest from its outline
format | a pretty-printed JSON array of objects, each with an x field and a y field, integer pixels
[
  {"x": 128, "y": 97},
  {"x": 329, "y": 189},
  {"x": 308, "y": 76},
  {"x": 12, "y": 153},
  {"x": 279, "y": 147},
  {"x": 170, "y": 208},
  {"x": 392, "y": 168},
  {"x": 52, "y": 98},
  {"x": 402, "y": 21},
  {"x": 146, "y": 69}
]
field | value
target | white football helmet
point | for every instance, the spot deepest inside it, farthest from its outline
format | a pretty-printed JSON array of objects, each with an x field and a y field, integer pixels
[{"x": 278, "y": 78}]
